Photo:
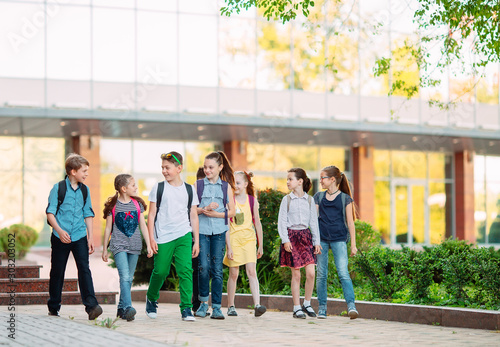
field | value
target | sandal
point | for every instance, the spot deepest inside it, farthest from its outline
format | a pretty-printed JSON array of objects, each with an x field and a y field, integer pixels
[
  {"x": 309, "y": 310},
  {"x": 299, "y": 314}
]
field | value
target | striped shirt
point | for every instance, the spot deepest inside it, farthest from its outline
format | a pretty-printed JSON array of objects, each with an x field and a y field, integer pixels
[{"x": 121, "y": 242}]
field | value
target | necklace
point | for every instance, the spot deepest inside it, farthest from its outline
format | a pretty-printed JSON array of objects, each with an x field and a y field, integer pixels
[{"x": 331, "y": 193}]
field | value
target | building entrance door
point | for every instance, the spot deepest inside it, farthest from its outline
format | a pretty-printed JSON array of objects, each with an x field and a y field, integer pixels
[{"x": 409, "y": 212}]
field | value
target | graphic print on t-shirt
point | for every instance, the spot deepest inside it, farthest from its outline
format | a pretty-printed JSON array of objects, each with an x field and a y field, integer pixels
[{"x": 127, "y": 222}]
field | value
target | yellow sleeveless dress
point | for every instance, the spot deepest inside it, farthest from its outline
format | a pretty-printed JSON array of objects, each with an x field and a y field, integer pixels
[{"x": 242, "y": 237}]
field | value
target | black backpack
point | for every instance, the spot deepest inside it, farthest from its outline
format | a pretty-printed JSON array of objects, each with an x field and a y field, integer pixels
[{"x": 61, "y": 194}]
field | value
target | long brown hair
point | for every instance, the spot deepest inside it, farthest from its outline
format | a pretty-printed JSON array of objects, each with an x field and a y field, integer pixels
[
  {"x": 248, "y": 178},
  {"x": 343, "y": 184},
  {"x": 301, "y": 173},
  {"x": 227, "y": 172},
  {"x": 121, "y": 180}
]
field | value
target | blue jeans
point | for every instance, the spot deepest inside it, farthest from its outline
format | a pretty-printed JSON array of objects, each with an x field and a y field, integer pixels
[
  {"x": 212, "y": 250},
  {"x": 339, "y": 250},
  {"x": 125, "y": 263}
]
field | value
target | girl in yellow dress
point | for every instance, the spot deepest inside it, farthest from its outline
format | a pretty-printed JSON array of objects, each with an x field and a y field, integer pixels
[{"x": 242, "y": 237}]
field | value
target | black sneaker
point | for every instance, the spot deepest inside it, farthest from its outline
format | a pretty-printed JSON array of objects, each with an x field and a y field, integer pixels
[
  {"x": 119, "y": 313},
  {"x": 95, "y": 312},
  {"x": 259, "y": 310},
  {"x": 129, "y": 314},
  {"x": 54, "y": 313},
  {"x": 187, "y": 315},
  {"x": 151, "y": 308}
]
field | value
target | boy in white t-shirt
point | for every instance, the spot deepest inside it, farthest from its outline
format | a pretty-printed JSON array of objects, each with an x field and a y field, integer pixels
[{"x": 173, "y": 231}]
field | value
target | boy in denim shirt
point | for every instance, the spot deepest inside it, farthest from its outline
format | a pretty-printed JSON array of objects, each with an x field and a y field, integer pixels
[{"x": 71, "y": 221}]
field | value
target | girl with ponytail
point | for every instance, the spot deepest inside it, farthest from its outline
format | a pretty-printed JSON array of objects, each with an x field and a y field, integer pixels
[
  {"x": 244, "y": 228},
  {"x": 337, "y": 214},
  {"x": 124, "y": 216},
  {"x": 215, "y": 208},
  {"x": 300, "y": 242}
]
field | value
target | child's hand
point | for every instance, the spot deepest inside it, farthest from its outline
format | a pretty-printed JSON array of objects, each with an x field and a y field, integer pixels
[
  {"x": 288, "y": 246},
  {"x": 354, "y": 250},
  {"x": 260, "y": 252},
  {"x": 91, "y": 245},
  {"x": 317, "y": 249},
  {"x": 196, "y": 250},
  {"x": 150, "y": 252},
  {"x": 64, "y": 237},
  {"x": 154, "y": 246},
  {"x": 212, "y": 206},
  {"x": 230, "y": 254},
  {"x": 105, "y": 255},
  {"x": 210, "y": 213}
]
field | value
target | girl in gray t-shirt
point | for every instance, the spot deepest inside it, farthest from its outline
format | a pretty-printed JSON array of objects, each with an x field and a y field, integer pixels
[{"x": 124, "y": 217}]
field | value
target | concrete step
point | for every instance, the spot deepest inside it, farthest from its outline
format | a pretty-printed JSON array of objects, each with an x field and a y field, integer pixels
[
  {"x": 41, "y": 298},
  {"x": 23, "y": 285},
  {"x": 20, "y": 271}
]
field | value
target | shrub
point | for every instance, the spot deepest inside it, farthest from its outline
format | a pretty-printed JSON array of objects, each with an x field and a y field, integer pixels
[
  {"x": 25, "y": 237},
  {"x": 384, "y": 270},
  {"x": 485, "y": 270},
  {"x": 366, "y": 236},
  {"x": 456, "y": 274},
  {"x": 419, "y": 270}
]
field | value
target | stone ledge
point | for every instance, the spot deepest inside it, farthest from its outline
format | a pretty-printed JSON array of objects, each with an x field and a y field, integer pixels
[{"x": 432, "y": 315}]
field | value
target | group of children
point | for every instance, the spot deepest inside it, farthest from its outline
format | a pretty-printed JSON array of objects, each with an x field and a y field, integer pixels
[{"x": 201, "y": 227}]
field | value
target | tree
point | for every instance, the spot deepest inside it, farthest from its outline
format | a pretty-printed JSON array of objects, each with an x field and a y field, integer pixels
[{"x": 465, "y": 33}]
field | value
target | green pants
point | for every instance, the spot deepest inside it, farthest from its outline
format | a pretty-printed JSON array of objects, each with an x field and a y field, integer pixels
[{"x": 181, "y": 250}]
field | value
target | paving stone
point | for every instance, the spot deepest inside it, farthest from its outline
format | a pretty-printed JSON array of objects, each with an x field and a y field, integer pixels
[{"x": 272, "y": 329}]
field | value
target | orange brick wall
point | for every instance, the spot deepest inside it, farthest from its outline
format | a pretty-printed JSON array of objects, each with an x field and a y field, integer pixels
[
  {"x": 236, "y": 152},
  {"x": 363, "y": 173},
  {"x": 464, "y": 196}
]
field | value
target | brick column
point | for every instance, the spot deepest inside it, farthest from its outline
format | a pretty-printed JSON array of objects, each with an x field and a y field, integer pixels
[
  {"x": 464, "y": 196},
  {"x": 89, "y": 147},
  {"x": 363, "y": 182},
  {"x": 236, "y": 152}
]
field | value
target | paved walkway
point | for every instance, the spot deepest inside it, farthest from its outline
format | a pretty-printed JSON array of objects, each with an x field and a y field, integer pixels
[
  {"x": 273, "y": 328},
  {"x": 35, "y": 328}
]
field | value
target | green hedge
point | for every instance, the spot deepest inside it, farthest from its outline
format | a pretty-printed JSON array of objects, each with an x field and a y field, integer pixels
[{"x": 453, "y": 273}]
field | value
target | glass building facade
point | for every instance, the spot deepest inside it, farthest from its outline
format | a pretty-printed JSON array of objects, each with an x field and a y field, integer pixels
[{"x": 143, "y": 77}]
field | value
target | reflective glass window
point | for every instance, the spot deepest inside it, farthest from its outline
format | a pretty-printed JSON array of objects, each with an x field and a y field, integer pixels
[
  {"x": 114, "y": 45},
  {"x": 333, "y": 156},
  {"x": 237, "y": 53},
  {"x": 439, "y": 204},
  {"x": 382, "y": 163},
  {"x": 68, "y": 44},
  {"x": 382, "y": 207},
  {"x": 10, "y": 181},
  {"x": 273, "y": 56},
  {"x": 308, "y": 57},
  {"x": 22, "y": 40},
  {"x": 409, "y": 164},
  {"x": 157, "y": 53},
  {"x": 198, "y": 49},
  {"x": 260, "y": 157}
]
